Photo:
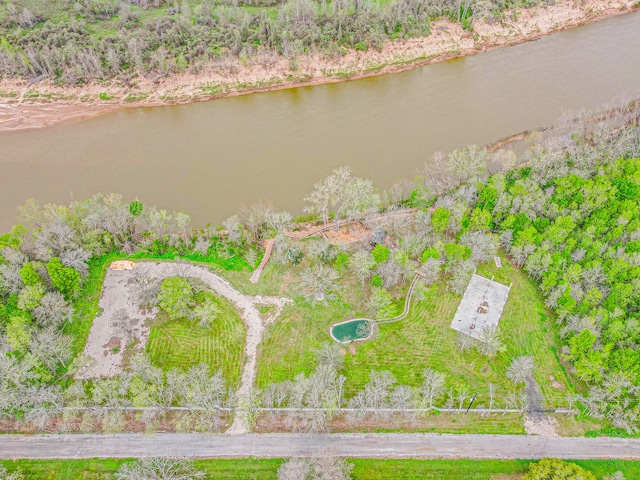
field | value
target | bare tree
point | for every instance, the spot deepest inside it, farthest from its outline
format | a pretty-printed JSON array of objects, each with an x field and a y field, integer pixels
[
  {"x": 162, "y": 468},
  {"x": 435, "y": 173},
  {"x": 76, "y": 258},
  {"x": 469, "y": 163},
  {"x": 503, "y": 160},
  {"x": 206, "y": 313},
  {"x": 430, "y": 271},
  {"x": 53, "y": 310},
  {"x": 392, "y": 272},
  {"x": 234, "y": 229},
  {"x": 403, "y": 398},
  {"x": 460, "y": 274},
  {"x": 483, "y": 246},
  {"x": 432, "y": 387},
  {"x": 329, "y": 354},
  {"x": 506, "y": 240},
  {"x": 520, "y": 369},
  {"x": 514, "y": 400},
  {"x": 362, "y": 263},
  {"x": 123, "y": 325},
  {"x": 199, "y": 389},
  {"x": 324, "y": 467},
  {"x": 54, "y": 239},
  {"x": 51, "y": 347},
  {"x": 146, "y": 290},
  {"x": 365, "y": 329},
  {"x": 295, "y": 469},
  {"x": 319, "y": 280},
  {"x": 201, "y": 245},
  {"x": 10, "y": 279},
  {"x": 279, "y": 222},
  {"x": 343, "y": 195},
  {"x": 329, "y": 467},
  {"x": 14, "y": 256},
  {"x": 110, "y": 395},
  {"x": 490, "y": 341},
  {"x": 615, "y": 476},
  {"x": 4, "y": 475},
  {"x": 375, "y": 396},
  {"x": 465, "y": 342}
]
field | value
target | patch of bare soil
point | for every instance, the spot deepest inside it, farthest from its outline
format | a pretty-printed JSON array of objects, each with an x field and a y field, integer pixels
[
  {"x": 544, "y": 426},
  {"x": 118, "y": 298},
  {"x": 119, "y": 295},
  {"x": 45, "y": 104},
  {"x": 536, "y": 422},
  {"x": 346, "y": 235}
]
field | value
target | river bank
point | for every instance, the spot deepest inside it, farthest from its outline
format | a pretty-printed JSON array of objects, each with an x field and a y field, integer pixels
[{"x": 24, "y": 105}]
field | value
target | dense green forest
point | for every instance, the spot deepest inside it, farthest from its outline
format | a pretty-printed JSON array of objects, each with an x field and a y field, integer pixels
[
  {"x": 73, "y": 42},
  {"x": 568, "y": 216}
]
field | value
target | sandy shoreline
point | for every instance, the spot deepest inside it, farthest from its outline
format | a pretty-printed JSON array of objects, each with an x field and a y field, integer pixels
[{"x": 43, "y": 104}]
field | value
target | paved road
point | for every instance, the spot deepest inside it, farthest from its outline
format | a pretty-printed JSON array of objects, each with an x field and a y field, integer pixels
[{"x": 285, "y": 445}]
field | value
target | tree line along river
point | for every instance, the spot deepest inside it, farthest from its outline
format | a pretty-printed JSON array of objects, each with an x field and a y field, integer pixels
[{"x": 210, "y": 158}]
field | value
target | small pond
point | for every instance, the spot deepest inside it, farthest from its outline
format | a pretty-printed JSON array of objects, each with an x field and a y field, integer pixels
[{"x": 357, "y": 329}]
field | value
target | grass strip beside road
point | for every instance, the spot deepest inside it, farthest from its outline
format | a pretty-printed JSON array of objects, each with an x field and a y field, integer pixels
[{"x": 364, "y": 469}]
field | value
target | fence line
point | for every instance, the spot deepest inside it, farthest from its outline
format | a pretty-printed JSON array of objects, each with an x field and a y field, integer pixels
[{"x": 565, "y": 411}]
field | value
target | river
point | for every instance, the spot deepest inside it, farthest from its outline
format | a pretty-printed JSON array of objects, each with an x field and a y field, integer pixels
[{"x": 210, "y": 158}]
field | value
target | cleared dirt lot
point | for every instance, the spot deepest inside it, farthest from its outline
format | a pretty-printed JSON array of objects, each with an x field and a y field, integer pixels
[{"x": 105, "y": 357}]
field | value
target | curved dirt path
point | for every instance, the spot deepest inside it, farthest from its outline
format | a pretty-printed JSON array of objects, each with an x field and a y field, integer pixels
[
  {"x": 118, "y": 294},
  {"x": 268, "y": 247}
]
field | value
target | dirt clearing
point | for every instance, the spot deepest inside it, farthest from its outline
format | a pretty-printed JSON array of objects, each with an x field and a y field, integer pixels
[{"x": 119, "y": 298}]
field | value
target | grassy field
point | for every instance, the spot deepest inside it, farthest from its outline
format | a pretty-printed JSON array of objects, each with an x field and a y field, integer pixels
[
  {"x": 290, "y": 345},
  {"x": 364, "y": 469},
  {"x": 423, "y": 340},
  {"x": 181, "y": 343}
]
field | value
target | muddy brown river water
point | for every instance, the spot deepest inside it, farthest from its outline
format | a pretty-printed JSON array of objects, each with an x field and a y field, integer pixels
[{"x": 209, "y": 159}]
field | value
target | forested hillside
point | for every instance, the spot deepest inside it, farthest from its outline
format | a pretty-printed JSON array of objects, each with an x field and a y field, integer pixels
[{"x": 76, "y": 42}]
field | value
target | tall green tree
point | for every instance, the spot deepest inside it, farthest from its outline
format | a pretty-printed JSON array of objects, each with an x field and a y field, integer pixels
[{"x": 65, "y": 279}]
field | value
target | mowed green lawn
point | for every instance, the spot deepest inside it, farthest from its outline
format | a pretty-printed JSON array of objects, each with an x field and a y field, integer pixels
[
  {"x": 423, "y": 340},
  {"x": 182, "y": 343},
  {"x": 290, "y": 344},
  {"x": 364, "y": 469}
]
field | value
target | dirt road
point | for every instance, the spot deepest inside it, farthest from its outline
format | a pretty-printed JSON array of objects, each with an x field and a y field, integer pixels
[{"x": 287, "y": 445}]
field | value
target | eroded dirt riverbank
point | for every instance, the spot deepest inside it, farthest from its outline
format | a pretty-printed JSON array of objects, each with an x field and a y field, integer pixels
[{"x": 24, "y": 106}]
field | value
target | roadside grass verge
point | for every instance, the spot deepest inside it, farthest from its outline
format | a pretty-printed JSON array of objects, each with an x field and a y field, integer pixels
[
  {"x": 459, "y": 423},
  {"x": 182, "y": 343},
  {"x": 364, "y": 469}
]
